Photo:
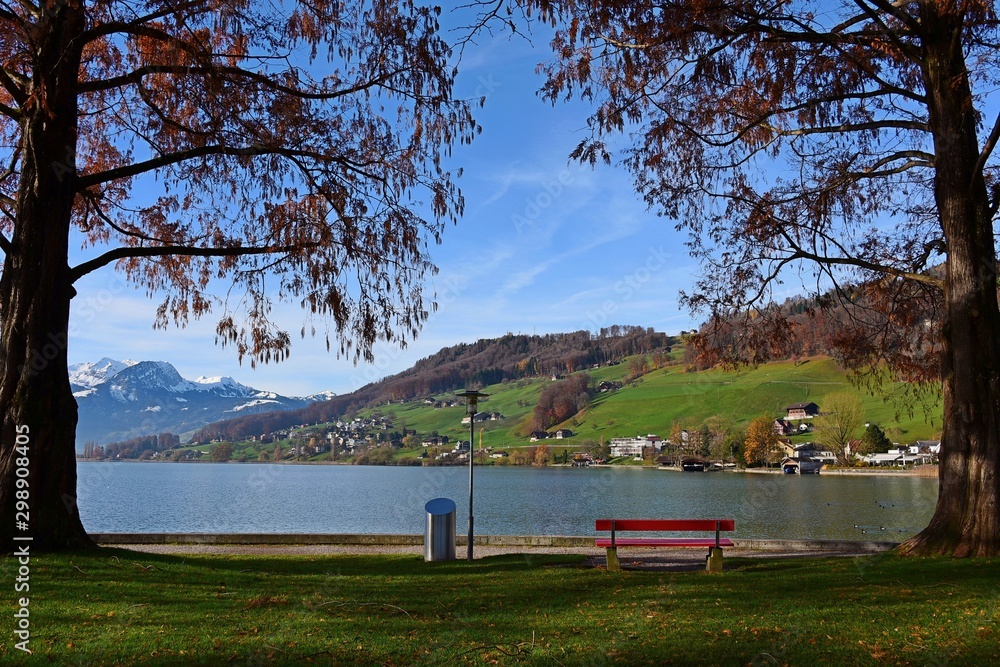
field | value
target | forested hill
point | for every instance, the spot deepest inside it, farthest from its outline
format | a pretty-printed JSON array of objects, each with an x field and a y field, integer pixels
[
  {"x": 517, "y": 356},
  {"x": 468, "y": 365}
]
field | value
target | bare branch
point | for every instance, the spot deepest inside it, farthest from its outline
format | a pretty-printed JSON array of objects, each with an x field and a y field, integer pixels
[
  {"x": 895, "y": 9},
  {"x": 859, "y": 127},
  {"x": 130, "y": 27},
  {"x": 15, "y": 91},
  {"x": 846, "y": 260},
  {"x": 988, "y": 147},
  {"x": 137, "y": 168},
  {"x": 116, "y": 254}
]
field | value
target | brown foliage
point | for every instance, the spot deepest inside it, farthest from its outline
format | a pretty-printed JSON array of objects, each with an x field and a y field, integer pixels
[
  {"x": 291, "y": 176},
  {"x": 561, "y": 400},
  {"x": 845, "y": 147}
]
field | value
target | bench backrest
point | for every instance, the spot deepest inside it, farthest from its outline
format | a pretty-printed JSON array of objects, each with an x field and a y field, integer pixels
[{"x": 706, "y": 525}]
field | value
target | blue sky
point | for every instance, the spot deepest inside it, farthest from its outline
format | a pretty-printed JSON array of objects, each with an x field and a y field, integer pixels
[{"x": 545, "y": 246}]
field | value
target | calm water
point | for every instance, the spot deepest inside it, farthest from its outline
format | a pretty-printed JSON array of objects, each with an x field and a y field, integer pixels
[{"x": 268, "y": 498}]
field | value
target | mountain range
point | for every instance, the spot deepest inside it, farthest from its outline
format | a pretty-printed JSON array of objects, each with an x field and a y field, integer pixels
[{"x": 125, "y": 399}]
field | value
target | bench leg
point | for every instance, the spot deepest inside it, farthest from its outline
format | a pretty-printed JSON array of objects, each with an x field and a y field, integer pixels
[
  {"x": 714, "y": 561},
  {"x": 613, "y": 560}
]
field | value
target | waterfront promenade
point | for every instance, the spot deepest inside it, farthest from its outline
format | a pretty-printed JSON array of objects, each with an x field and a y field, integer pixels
[{"x": 486, "y": 546}]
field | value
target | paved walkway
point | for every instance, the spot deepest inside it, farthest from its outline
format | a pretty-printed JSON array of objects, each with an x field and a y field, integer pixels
[{"x": 631, "y": 558}]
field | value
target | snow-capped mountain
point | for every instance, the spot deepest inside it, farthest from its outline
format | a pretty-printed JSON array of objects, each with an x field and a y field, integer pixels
[
  {"x": 91, "y": 374},
  {"x": 123, "y": 399}
]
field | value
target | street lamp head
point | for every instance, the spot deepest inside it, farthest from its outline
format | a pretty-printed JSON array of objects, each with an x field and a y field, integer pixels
[{"x": 472, "y": 400}]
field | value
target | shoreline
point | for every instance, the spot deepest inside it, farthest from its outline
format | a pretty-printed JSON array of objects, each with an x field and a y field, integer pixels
[{"x": 930, "y": 470}]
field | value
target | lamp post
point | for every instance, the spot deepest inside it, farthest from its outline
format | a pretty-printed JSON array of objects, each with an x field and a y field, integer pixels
[{"x": 472, "y": 403}]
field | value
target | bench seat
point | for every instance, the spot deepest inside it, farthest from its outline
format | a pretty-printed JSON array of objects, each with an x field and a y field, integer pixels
[
  {"x": 713, "y": 544},
  {"x": 664, "y": 542}
]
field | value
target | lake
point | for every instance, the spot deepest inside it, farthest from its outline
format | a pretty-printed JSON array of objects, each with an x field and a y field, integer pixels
[{"x": 275, "y": 498}]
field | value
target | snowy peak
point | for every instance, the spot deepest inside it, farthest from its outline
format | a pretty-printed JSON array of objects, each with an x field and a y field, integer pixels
[
  {"x": 123, "y": 399},
  {"x": 226, "y": 385},
  {"x": 91, "y": 374},
  {"x": 321, "y": 396}
]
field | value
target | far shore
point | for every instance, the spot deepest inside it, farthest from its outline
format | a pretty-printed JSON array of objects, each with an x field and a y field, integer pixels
[{"x": 918, "y": 471}]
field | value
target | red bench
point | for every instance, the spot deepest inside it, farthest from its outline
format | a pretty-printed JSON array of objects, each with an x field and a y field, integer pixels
[{"x": 713, "y": 544}]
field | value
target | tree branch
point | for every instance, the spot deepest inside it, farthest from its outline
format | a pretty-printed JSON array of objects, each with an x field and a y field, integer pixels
[
  {"x": 988, "y": 147},
  {"x": 116, "y": 254},
  {"x": 5, "y": 245},
  {"x": 798, "y": 252},
  {"x": 129, "y": 27},
  {"x": 136, "y": 168},
  {"x": 14, "y": 90},
  {"x": 859, "y": 127},
  {"x": 895, "y": 9},
  {"x": 136, "y": 76}
]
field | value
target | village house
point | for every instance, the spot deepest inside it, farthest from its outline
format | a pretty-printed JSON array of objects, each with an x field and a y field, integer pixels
[
  {"x": 783, "y": 427},
  {"x": 807, "y": 451},
  {"x": 802, "y": 411},
  {"x": 920, "y": 453},
  {"x": 478, "y": 417}
]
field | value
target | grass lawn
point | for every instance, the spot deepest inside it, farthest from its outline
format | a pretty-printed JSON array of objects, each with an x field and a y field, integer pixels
[{"x": 116, "y": 607}]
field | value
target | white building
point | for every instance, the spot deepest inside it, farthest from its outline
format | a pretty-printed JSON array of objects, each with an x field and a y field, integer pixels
[{"x": 634, "y": 446}]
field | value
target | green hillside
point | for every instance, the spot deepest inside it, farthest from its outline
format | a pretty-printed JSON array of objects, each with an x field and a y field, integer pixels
[{"x": 655, "y": 401}]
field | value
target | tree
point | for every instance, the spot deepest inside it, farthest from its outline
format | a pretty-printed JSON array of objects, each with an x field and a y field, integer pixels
[
  {"x": 760, "y": 442},
  {"x": 705, "y": 440},
  {"x": 292, "y": 149},
  {"x": 874, "y": 440},
  {"x": 222, "y": 452},
  {"x": 561, "y": 400},
  {"x": 838, "y": 423},
  {"x": 542, "y": 455},
  {"x": 851, "y": 144}
]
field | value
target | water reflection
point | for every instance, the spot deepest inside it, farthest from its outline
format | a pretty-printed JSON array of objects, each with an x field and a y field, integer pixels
[{"x": 264, "y": 498}]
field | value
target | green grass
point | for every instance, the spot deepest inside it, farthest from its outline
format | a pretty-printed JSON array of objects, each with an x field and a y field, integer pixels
[
  {"x": 116, "y": 607},
  {"x": 655, "y": 402},
  {"x": 669, "y": 394}
]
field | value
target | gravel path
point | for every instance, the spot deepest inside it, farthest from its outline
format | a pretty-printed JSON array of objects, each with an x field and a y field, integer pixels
[{"x": 632, "y": 558}]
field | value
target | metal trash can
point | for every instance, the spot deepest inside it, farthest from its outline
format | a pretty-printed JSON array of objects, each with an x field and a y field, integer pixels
[{"x": 439, "y": 535}]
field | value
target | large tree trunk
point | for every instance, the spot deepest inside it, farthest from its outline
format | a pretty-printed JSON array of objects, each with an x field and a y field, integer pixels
[
  {"x": 966, "y": 521},
  {"x": 38, "y": 413}
]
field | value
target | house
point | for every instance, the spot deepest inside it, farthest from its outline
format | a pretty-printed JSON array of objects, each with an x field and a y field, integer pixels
[
  {"x": 929, "y": 446},
  {"x": 807, "y": 451},
  {"x": 802, "y": 411},
  {"x": 479, "y": 417},
  {"x": 900, "y": 456},
  {"x": 499, "y": 455},
  {"x": 538, "y": 435},
  {"x": 783, "y": 427},
  {"x": 562, "y": 433}
]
